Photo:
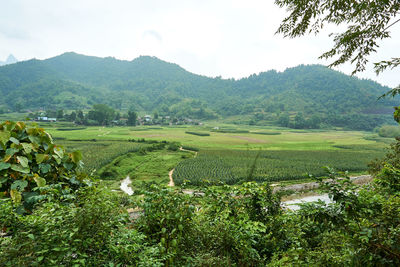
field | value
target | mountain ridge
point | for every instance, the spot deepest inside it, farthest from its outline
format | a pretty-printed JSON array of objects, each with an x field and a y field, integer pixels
[{"x": 75, "y": 81}]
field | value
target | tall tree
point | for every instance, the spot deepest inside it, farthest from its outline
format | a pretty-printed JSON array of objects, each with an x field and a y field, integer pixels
[
  {"x": 132, "y": 118},
  {"x": 367, "y": 22},
  {"x": 101, "y": 113}
]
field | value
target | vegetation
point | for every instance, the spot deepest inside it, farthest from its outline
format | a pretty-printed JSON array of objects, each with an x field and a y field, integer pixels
[
  {"x": 366, "y": 24},
  {"x": 197, "y": 133},
  {"x": 30, "y": 161},
  {"x": 97, "y": 154},
  {"x": 233, "y": 167},
  {"x": 143, "y": 166},
  {"x": 302, "y": 97},
  {"x": 389, "y": 131}
]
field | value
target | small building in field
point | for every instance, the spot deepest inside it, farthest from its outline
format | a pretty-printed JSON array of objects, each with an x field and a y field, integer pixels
[
  {"x": 147, "y": 118},
  {"x": 47, "y": 119}
]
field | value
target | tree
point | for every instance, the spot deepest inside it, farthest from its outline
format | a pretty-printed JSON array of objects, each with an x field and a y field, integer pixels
[
  {"x": 117, "y": 116},
  {"x": 80, "y": 115},
  {"x": 284, "y": 120},
  {"x": 132, "y": 118},
  {"x": 60, "y": 114},
  {"x": 367, "y": 23},
  {"x": 72, "y": 117},
  {"x": 101, "y": 113}
]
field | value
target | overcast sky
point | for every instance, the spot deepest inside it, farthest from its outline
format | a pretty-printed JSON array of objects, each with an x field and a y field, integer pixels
[{"x": 210, "y": 37}]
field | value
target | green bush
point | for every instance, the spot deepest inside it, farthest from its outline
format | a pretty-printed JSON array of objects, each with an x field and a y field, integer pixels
[
  {"x": 389, "y": 131},
  {"x": 88, "y": 232},
  {"x": 29, "y": 160},
  {"x": 198, "y": 133}
]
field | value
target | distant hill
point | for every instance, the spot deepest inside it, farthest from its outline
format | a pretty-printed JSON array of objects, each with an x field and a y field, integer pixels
[{"x": 73, "y": 81}]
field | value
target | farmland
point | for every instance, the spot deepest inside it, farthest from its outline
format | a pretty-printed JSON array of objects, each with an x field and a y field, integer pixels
[
  {"x": 232, "y": 167},
  {"x": 227, "y": 153}
]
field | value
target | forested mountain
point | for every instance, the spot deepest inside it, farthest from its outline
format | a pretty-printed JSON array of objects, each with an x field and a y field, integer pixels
[{"x": 73, "y": 81}]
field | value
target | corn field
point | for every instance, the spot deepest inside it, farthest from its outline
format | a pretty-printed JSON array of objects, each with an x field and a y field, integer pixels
[{"x": 231, "y": 167}]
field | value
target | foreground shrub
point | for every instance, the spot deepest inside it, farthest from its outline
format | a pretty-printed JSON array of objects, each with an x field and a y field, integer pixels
[
  {"x": 29, "y": 160},
  {"x": 93, "y": 231}
]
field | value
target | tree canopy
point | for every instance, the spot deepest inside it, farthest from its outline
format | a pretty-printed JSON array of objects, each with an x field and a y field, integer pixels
[{"x": 367, "y": 22}]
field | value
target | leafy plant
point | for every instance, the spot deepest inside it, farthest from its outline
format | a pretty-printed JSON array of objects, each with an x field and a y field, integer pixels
[{"x": 29, "y": 160}]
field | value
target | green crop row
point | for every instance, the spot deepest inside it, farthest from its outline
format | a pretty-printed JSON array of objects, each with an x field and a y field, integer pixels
[
  {"x": 198, "y": 133},
  {"x": 232, "y": 167},
  {"x": 98, "y": 154}
]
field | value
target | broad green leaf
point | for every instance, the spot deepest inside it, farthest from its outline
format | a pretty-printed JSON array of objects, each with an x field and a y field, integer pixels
[
  {"x": 23, "y": 161},
  {"x": 76, "y": 156},
  {"x": 11, "y": 151},
  {"x": 34, "y": 139},
  {"x": 45, "y": 168},
  {"x": 41, "y": 157},
  {"x": 27, "y": 147},
  {"x": 19, "y": 185},
  {"x": 4, "y": 166},
  {"x": 68, "y": 165},
  {"x": 57, "y": 158},
  {"x": 14, "y": 140},
  {"x": 4, "y": 137},
  {"x": 15, "y": 196},
  {"x": 59, "y": 152},
  {"x": 40, "y": 181},
  {"x": 19, "y": 168},
  {"x": 49, "y": 138},
  {"x": 3, "y": 180}
]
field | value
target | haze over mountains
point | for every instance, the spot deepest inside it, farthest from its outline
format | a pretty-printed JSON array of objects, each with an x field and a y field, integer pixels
[
  {"x": 10, "y": 60},
  {"x": 73, "y": 81}
]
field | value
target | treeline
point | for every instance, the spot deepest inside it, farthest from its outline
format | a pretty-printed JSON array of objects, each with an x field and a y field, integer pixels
[
  {"x": 100, "y": 114},
  {"x": 72, "y": 81},
  {"x": 351, "y": 121}
]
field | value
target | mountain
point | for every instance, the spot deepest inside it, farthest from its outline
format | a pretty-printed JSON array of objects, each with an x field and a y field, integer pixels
[
  {"x": 73, "y": 81},
  {"x": 10, "y": 60}
]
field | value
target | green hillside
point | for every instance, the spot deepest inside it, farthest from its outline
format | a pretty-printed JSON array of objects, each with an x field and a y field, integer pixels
[{"x": 307, "y": 95}]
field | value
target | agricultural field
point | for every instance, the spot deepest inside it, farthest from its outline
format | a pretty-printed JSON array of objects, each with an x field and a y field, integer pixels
[
  {"x": 97, "y": 154},
  {"x": 227, "y": 153},
  {"x": 151, "y": 166},
  {"x": 235, "y": 166}
]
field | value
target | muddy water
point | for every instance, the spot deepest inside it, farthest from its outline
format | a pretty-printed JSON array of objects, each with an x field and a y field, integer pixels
[
  {"x": 294, "y": 204},
  {"x": 125, "y": 186}
]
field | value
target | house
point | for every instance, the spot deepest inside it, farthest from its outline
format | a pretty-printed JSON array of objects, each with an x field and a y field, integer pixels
[
  {"x": 46, "y": 119},
  {"x": 147, "y": 118}
]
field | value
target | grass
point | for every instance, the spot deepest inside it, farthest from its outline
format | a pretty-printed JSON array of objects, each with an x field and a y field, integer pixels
[
  {"x": 287, "y": 140},
  {"x": 151, "y": 166},
  {"x": 97, "y": 154},
  {"x": 319, "y": 146}
]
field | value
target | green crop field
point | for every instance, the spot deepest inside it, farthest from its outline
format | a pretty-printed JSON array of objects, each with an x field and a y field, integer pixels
[
  {"x": 97, "y": 154},
  {"x": 227, "y": 155},
  {"x": 234, "y": 166}
]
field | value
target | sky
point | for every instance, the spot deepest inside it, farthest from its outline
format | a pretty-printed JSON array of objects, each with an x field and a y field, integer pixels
[{"x": 227, "y": 38}]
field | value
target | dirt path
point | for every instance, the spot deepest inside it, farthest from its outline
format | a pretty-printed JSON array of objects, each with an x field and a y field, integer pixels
[
  {"x": 171, "y": 180},
  {"x": 171, "y": 172}
]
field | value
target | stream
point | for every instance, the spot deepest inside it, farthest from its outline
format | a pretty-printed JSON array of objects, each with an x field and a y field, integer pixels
[
  {"x": 125, "y": 186},
  {"x": 294, "y": 204}
]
